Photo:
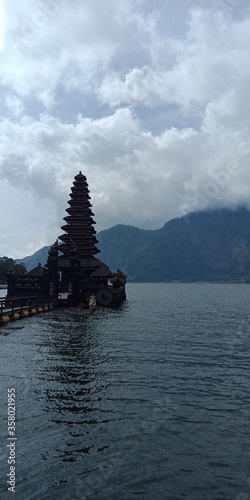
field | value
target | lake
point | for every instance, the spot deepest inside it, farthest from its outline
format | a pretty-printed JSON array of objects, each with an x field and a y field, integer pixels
[{"x": 147, "y": 402}]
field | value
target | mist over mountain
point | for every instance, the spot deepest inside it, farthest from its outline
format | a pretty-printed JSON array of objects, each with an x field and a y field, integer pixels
[{"x": 203, "y": 246}]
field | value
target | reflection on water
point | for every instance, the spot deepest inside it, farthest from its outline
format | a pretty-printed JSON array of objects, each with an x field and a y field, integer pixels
[{"x": 149, "y": 401}]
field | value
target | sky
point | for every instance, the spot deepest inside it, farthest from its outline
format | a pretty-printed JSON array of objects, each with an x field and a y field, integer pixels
[{"x": 148, "y": 98}]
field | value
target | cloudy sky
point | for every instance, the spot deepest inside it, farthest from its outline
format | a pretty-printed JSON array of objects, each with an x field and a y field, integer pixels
[{"x": 148, "y": 98}]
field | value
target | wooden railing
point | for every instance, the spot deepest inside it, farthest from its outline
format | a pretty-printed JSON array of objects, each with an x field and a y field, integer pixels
[{"x": 17, "y": 305}]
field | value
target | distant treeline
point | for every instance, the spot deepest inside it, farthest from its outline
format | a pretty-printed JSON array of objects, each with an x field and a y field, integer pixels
[{"x": 8, "y": 265}]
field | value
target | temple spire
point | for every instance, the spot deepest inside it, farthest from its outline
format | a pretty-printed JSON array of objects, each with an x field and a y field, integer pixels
[{"x": 79, "y": 228}]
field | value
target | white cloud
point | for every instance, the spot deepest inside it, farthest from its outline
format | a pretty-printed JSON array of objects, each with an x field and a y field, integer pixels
[
  {"x": 14, "y": 105},
  {"x": 52, "y": 43},
  {"x": 211, "y": 61},
  {"x": 121, "y": 65}
]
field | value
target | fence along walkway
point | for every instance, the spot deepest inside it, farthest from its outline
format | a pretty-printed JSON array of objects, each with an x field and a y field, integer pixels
[{"x": 21, "y": 307}]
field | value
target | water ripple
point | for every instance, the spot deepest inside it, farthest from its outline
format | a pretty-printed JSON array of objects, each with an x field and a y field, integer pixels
[{"x": 151, "y": 401}]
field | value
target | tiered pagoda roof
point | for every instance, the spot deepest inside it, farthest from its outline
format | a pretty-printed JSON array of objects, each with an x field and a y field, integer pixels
[{"x": 79, "y": 229}]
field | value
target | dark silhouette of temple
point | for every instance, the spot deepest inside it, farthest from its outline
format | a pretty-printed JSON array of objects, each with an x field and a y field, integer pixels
[{"x": 72, "y": 274}]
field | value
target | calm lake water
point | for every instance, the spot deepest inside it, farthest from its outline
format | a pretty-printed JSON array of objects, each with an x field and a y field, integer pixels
[{"x": 148, "y": 402}]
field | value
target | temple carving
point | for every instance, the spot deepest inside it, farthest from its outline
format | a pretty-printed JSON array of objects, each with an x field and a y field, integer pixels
[{"x": 73, "y": 275}]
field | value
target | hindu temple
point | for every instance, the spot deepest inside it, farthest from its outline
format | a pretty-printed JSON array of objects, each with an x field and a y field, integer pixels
[{"x": 73, "y": 275}]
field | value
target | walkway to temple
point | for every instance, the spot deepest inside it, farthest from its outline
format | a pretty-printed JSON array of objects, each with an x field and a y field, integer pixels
[{"x": 21, "y": 307}]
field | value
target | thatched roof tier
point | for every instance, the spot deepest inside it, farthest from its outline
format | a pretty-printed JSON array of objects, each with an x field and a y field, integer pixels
[
  {"x": 80, "y": 219},
  {"x": 84, "y": 229},
  {"x": 78, "y": 191},
  {"x": 102, "y": 272},
  {"x": 76, "y": 202},
  {"x": 79, "y": 239},
  {"x": 36, "y": 272},
  {"x": 91, "y": 263},
  {"x": 81, "y": 210},
  {"x": 80, "y": 177},
  {"x": 79, "y": 188}
]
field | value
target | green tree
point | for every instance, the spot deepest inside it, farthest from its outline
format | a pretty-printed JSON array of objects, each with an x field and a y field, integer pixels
[{"x": 8, "y": 265}]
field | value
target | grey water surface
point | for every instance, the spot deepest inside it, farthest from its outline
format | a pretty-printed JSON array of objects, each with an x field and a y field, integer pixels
[{"x": 147, "y": 402}]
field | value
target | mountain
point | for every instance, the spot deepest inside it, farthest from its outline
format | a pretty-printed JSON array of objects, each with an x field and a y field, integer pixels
[
  {"x": 32, "y": 261},
  {"x": 203, "y": 246}
]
